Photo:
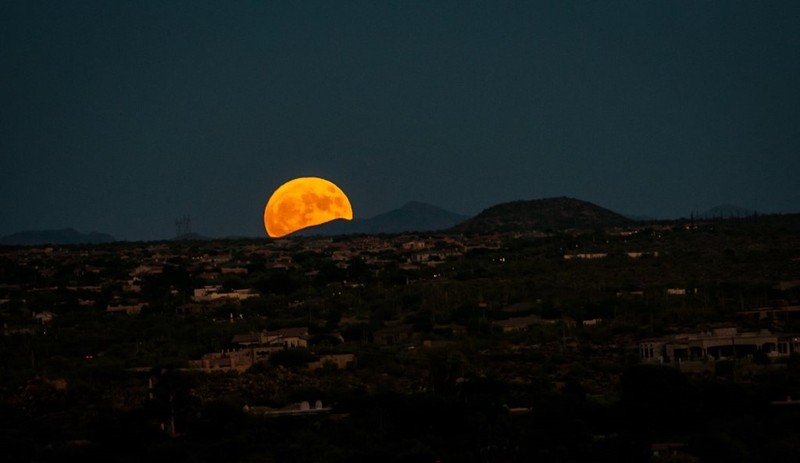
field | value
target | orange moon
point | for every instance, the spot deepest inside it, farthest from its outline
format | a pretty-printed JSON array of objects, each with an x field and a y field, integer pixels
[{"x": 304, "y": 202}]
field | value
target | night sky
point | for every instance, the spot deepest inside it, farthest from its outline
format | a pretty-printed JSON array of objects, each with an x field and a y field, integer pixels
[{"x": 120, "y": 116}]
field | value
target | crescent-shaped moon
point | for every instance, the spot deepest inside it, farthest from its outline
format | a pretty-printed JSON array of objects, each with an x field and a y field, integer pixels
[{"x": 304, "y": 202}]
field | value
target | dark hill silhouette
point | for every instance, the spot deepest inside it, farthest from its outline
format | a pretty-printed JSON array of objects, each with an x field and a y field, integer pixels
[
  {"x": 542, "y": 214},
  {"x": 413, "y": 216},
  {"x": 63, "y": 236},
  {"x": 640, "y": 217}
]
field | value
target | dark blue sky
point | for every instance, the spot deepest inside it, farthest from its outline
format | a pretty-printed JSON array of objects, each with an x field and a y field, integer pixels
[{"x": 120, "y": 116}]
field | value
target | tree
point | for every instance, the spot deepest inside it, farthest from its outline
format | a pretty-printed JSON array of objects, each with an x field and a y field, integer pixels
[{"x": 291, "y": 358}]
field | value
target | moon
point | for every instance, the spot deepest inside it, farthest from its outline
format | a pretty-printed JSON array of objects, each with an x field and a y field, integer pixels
[{"x": 304, "y": 202}]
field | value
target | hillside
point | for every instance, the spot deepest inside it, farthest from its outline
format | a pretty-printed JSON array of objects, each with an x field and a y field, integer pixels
[
  {"x": 63, "y": 236},
  {"x": 413, "y": 216},
  {"x": 541, "y": 214}
]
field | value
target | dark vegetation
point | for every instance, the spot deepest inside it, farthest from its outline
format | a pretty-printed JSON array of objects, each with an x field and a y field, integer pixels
[{"x": 96, "y": 386}]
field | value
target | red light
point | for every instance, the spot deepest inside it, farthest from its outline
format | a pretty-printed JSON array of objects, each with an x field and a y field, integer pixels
[{"x": 88, "y": 356}]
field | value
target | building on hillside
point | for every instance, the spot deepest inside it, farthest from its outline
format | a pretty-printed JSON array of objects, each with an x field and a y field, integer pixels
[
  {"x": 586, "y": 255},
  {"x": 234, "y": 270},
  {"x": 415, "y": 245},
  {"x": 592, "y": 322},
  {"x": 284, "y": 337},
  {"x": 215, "y": 293},
  {"x": 234, "y": 359},
  {"x": 44, "y": 317},
  {"x": 296, "y": 409},
  {"x": 253, "y": 348},
  {"x": 717, "y": 344},
  {"x": 521, "y": 323},
  {"x": 130, "y": 309}
]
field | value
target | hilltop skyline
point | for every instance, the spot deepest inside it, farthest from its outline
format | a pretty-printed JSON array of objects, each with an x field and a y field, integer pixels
[
  {"x": 413, "y": 217},
  {"x": 121, "y": 117}
]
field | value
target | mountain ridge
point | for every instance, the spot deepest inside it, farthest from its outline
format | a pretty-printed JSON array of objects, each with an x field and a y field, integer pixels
[
  {"x": 410, "y": 217},
  {"x": 56, "y": 236},
  {"x": 415, "y": 216}
]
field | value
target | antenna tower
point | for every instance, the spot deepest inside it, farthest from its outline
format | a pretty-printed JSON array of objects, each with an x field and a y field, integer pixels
[{"x": 183, "y": 225}]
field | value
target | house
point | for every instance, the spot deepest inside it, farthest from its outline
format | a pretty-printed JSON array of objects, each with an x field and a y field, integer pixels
[
  {"x": 717, "y": 344},
  {"x": 518, "y": 323},
  {"x": 234, "y": 270},
  {"x": 132, "y": 309},
  {"x": 237, "y": 360},
  {"x": 414, "y": 245},
  {"x": 296, "y": 409},
  {"x": 586, "y": 255},
  {"x": 283, "y": 338},
  {"x": 676, "y": 291},
  {"x": 288, "y": 337},
  {"x": 143, "y": 270},
  {"x": 668, "y": 449},
  {"x": 214, "y": 293},
  {"x": 639, "y": 254},
  {"x": 253, "y": 348},
  {"x": 204, "y": 293},
  {"x": 44, "y": 317},
  {"x": 233, "y": 359}
]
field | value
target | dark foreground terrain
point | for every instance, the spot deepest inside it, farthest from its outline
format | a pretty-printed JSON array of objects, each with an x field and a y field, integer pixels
[{"x": 519, "y": 345}]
